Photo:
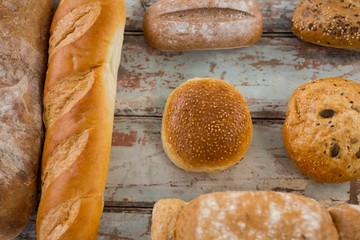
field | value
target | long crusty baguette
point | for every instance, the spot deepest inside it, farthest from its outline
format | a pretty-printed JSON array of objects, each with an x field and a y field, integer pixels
[
  {"x": 242, "y": 215},
  {"x": 79, "y": 100},
  {"x": 24, "y": 27}
]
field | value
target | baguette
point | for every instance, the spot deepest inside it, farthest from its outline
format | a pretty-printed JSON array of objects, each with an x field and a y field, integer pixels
[
  {"x": 179, "y": 25},
  {"x": 242, "y": 215},
  {"x": 24, "y": 27},
  {"x": 79, "y": 100}
]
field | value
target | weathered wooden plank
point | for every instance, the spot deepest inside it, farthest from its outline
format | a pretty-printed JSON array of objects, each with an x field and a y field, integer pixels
[
  {"x": 355, "y": 192},
  {"x": 276, "y": 14},
  {"x": 124, "y": 224},
  {"x": 140, "y": 172},
  {"x": 266, "y": 73}
]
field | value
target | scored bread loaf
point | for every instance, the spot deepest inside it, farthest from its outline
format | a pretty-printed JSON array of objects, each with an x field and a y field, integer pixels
[
  {"x": 178, "y": 25},
  {"x": 242, "y": 215},
  {"x": 79, "y": 100},
  {"x": 24, "y": 27}
]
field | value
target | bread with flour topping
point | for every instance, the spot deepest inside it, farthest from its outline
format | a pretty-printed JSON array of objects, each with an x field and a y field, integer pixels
[
  {"x": 24, "y": 27},
  {"x": 242, "y": 215},
  {"x": 178, "y": 25}
]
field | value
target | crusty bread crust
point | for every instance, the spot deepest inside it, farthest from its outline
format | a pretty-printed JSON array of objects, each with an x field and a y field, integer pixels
[
  {"x": 164, "y": 217},
  {"x": 197, "y": 25},
  {"x": 206, "y": 125},
  {"x": 322, "y": 132},
  {"x": 346, "y": 218},
  {"x": 331, "y": 23},
  {"x": 246, "y": 216},
  {"x": 79, "y": 100},
  {"x": 24, "y": 27}
]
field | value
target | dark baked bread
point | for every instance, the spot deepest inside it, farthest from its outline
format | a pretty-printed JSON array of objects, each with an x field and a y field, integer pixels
[
  {"x": 206, "y": 125},
  {"x": 24, "y": 27},
  {"x": 322, "y": 129},
  {"x": 332, "y": 23}
]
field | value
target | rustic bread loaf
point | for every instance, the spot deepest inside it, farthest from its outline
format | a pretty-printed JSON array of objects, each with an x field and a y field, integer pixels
[
  {"x": 330, "y": 23},
  {"x": 24, "y": 27},
  {"x": 195, "y": 25},
  {"x": 242, "y": 215},
  {"x": 79, "y": 100},
  {"x": 206, "y": 125},
  {"x": 322, "y": 131},
  {"x": 346, "y": 218},
  {"x": 165, "y": 214}
]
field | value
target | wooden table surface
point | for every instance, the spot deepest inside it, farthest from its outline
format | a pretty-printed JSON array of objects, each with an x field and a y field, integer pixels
[{"x": 267, "y": 73}]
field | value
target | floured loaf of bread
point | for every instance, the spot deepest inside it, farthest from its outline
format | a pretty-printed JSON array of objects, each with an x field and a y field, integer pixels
[
  {"x": 24, "y": 27},
  {"x": 179, "y": 25},
  {"x": 242, "y": 215}
]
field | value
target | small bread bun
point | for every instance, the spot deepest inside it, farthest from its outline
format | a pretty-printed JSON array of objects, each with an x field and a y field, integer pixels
[
  {"x": 243, "y": 215},
  {"x": 206, "y": 125},
  {"x": 322, "y": 131},
  {"x": 328, "y": 23},
  {"x": 346, "y": 218}
]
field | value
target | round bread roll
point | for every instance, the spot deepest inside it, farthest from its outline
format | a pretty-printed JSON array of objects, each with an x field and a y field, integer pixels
[
  {"x": 346, "y": 218},
  {"x": 328, "y": 23},
  {"x": 242, "y": 215},
  {"x": 322, "y": 129},
  {"x": 206, "y": 125}
]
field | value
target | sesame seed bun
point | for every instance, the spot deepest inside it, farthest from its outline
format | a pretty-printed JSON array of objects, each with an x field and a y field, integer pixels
[{"x": 206, "y": 125}]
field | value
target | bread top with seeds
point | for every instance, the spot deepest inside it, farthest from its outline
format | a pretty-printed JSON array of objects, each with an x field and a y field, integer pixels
[
  {"x": 328, "y": 22},
  {"x": 322, "y": 129},
  {"x": 206, "y": 125}
]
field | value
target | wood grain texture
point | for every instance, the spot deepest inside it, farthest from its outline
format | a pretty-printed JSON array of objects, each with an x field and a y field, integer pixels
[
  {"x": 141, "y": 172},
  {"x": 266, "y": 73},
  {"x": 277, "y": 14},
  {"x": 119, "y": 224}
]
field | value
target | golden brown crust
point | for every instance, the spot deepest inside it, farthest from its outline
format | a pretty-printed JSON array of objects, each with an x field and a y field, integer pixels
[
  {"x": 252, "y": 215},
  {"x": 206, "y": 125},
  {"x": 79, "y": 99},
  {"x": 330, "y": 23},
  {"x": 164, "y": 217},
  {"x": 346, "y": 218},
  {"x": 196, "y": 25},
  {"x": 321, "y": 130},
  {"x": 24, "y": 27}
]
